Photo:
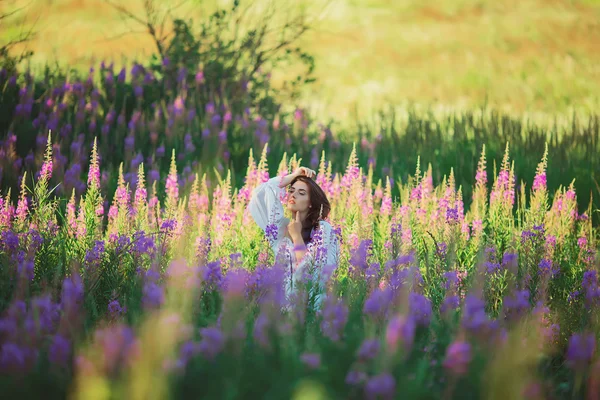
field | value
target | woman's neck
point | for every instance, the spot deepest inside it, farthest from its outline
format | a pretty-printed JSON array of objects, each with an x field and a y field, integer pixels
[{"x": 303, "y": 215}]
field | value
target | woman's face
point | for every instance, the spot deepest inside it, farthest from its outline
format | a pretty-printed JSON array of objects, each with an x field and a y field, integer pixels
[{"x": 298, "y": 197}]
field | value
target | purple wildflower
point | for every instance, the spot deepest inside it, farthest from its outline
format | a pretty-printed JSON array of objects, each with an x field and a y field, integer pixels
[
  {"x": 400, "y": 330},
  {"x": 509, "y": 261},
  {"x": 450, "y": 303},
  {"x": 115, "y": 309},
  {"x": 12, "y": 358},
  {"x": 212, "y": 342},
  {"x": 458, "y": 357},
  {"x": 419, "y": 308},
  {"x": 381, "y": 386},
  {"x": 474, "y": 318},
  {"x": 59, "y": 351},
  {"x": 378, "y": 302},
  {"x": 516, "y": 306},
  {"x": 153, "y": 295},
  {"x": 94, "y": 255},
  {"x": 212, "y": 275},
  {"x": 581, "y": 350},
  {"x": 492, "y": 267},
  {"x": 451, "y": 280},
  {"x": 368, "y": 350},
  {"x": 311, "y": 360},
  {"x": 546, "y": 268},
  {"x": 271, "y": 233},
  {"x": 452, "y": 215},
  {"x": 355, "y": 378},
  {"x": 26, "y": 269},
  {"x": 235, "y": 282},
  {"x": 335, "y": 316},
  {"x": 261, "y": 331}
]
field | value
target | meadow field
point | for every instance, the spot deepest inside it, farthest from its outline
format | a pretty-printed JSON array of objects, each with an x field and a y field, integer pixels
[
  {"x": 537, "y": 57},
  {"x": 458, "y": 145}
]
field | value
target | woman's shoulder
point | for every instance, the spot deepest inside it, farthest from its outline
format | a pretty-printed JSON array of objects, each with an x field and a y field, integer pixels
[{"x": 324, "y": 224}]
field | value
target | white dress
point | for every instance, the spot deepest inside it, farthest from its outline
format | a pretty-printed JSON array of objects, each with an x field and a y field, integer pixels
[{"x": 322, "y": 255}]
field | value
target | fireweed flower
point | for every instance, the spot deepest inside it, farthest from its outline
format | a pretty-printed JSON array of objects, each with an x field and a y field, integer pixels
[{"x": 539, "y": 182}]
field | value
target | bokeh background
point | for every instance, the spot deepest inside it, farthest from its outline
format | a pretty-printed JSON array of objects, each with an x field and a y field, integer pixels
[{"x": 530, "y": 56}]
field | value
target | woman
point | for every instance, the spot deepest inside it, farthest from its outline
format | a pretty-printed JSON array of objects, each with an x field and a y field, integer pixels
[{"x": 307, "y": 243}]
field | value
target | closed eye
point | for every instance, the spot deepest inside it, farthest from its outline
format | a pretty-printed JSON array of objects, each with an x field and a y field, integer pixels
[{"x": 301, "y": 191}]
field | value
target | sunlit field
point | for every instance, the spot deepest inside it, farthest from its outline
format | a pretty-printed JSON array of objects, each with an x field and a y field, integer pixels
[
  {"x": 131, "y": 266},
  {"x": 533, "y": 56}
]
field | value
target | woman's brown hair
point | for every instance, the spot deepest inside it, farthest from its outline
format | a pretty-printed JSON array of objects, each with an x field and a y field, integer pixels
[{"x": 319, "y": 207}]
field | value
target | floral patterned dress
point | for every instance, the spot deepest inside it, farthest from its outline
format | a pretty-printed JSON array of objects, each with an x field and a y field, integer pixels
[{"x": 322, "y": 255}]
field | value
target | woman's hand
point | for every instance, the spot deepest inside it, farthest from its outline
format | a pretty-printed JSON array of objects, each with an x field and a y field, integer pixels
[
  {"x": 301, "y": 171},
  {"x": 295, "y": 231},
  {"x": 295, "y": 228}
]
